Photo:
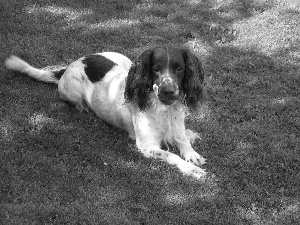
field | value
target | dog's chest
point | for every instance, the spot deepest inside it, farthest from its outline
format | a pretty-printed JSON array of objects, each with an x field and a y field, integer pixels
[{"x": 170, "y": 123}]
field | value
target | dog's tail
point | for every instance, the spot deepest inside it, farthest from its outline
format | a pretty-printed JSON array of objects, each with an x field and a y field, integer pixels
[{"x": 19, "y": 65}]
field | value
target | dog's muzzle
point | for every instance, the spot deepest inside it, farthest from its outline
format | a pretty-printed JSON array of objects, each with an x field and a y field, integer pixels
[{"x": 167, "y": 91}]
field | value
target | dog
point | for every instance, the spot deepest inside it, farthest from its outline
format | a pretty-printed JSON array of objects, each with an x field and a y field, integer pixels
[{"x": 149, "y": 98}]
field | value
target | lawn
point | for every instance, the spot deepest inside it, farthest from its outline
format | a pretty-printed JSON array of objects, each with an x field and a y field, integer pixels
[{"x": 60, "y": 166}]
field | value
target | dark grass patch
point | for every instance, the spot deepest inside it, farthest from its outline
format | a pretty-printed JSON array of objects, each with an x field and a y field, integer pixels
[{"x": 59, "y": 166}]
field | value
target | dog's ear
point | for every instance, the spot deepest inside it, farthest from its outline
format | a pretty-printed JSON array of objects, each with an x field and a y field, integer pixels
[
  {"x": 192, "y": 84},
  {"x": 139, "y": 81}
]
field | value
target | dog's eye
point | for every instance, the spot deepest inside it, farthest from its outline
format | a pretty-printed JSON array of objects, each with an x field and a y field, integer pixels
[
  {"x": 179, "y": 69},
  {"x": 155, "y": 70}
]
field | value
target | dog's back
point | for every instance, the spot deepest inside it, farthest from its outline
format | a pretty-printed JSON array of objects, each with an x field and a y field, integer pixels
[{"x": 95, "y": 82}]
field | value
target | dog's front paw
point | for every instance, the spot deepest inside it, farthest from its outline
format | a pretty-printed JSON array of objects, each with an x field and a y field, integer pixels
[
  {"x": 193, "y": 157},
  {"x": 191, "y": 170},
  {"x": 191, "y": 136}
]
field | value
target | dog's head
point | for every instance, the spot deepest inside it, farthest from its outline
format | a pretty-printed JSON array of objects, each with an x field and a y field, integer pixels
[{"x": 173, "y": 73}]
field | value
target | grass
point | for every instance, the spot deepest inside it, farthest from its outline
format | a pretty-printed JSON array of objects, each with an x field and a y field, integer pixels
[{"x": 59, "y": 166}]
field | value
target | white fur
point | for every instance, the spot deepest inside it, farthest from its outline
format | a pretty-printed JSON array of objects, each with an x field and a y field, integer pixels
[
  {"x": 17, "y": 64},
  {"x": 160, "y": 123}
]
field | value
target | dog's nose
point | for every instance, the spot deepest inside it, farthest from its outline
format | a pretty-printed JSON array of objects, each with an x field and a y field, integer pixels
[{"x": 168, "y": 91}]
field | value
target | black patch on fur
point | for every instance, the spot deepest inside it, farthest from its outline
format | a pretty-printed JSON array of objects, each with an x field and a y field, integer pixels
[
  {"x": 59, "y": 73},
  {"x": 96, "y": 67},
  {"x": 139, "y": 81},
  {"x": 192, "y": 84}
]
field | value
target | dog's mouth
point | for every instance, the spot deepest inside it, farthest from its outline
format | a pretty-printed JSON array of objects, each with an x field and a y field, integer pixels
[{"x": 168, "y": 101}]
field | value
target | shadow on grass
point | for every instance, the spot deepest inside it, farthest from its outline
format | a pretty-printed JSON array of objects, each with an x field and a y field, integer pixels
[
  {"x": 79, "y": 28},
  {"x": 252, "y": 140},
  {"x": 59, "y": 166}
]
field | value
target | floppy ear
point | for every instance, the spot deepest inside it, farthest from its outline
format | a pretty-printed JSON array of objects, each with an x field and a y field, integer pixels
[
  {"x": 192, "y": 84},
  {"x": 139, "y": 81}
]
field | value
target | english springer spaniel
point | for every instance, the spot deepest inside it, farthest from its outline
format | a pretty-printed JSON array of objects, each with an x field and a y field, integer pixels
[{"x": 148, "y": 98}]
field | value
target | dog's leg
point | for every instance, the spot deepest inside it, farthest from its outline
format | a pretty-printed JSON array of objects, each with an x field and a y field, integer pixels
[
  {"x": 81, "y": 105},
  {"x": 148, "y": 140},
  {"x": 186, "y": 150},
  {"x": 70, "y": 88},
  {"x": 187, "y": 168}
]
